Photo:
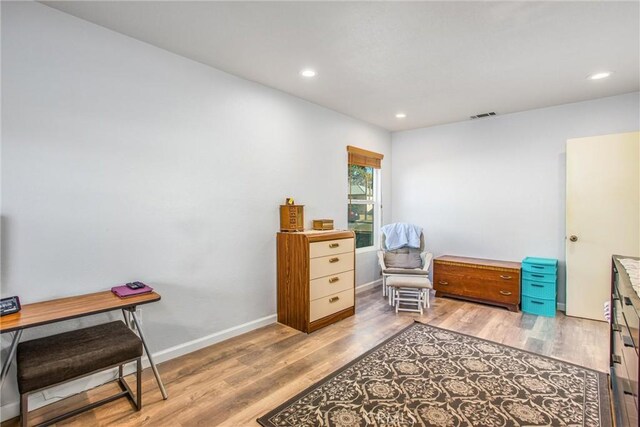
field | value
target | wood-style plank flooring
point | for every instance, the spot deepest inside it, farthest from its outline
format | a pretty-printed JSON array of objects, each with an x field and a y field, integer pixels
[{"x": 234, "y": 382}]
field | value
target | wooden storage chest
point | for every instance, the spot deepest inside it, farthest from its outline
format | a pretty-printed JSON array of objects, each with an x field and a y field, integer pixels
[
  {"x": 480, "y": 280},
  {"x": 316, "y": 278}
]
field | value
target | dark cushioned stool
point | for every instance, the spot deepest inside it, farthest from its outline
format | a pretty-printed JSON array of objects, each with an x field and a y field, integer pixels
[{"x": 52, "y": 360}]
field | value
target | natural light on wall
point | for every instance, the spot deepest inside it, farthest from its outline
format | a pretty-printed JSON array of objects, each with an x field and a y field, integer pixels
[{"x": 364, "y": 207}]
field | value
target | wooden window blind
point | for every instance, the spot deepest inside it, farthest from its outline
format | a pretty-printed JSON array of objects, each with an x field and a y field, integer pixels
[{"x": 360, "y": 157}]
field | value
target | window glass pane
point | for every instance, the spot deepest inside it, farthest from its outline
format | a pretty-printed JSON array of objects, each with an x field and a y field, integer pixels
[
  {"x": 361, "y": 221},
  {"x": 360, "y": 182}
]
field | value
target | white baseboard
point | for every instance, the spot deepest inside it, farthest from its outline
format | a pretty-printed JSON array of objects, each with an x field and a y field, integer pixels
[
  {"x": 561, "y": 306},
  {"x": 197, "y": 344},
  {"x": 37, "y": 400},
  {"x": 367, "y": 286}
]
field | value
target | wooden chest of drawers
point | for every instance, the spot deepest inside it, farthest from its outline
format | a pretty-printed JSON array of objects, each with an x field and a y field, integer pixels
[
  {"x": 480, "y": 280},
  {"x": 316, "y": 278}
]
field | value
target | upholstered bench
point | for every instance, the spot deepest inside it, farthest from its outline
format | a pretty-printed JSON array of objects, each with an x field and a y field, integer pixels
[{"x": 52, "y": 360}]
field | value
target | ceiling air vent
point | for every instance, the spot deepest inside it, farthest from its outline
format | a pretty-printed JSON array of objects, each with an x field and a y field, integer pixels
[{"x": 483, "y": 115}]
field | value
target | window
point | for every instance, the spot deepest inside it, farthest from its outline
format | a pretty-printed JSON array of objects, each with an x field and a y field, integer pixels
[{"x": 364, "y": 207}]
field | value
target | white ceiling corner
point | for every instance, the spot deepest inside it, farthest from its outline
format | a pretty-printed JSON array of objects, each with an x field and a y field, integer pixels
[{"x": 438, "y": 62}]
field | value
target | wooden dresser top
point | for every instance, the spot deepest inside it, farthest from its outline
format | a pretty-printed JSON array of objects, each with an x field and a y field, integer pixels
[
  {"x": 461, "y": 260},
  {"x": 321, "y": 235}
]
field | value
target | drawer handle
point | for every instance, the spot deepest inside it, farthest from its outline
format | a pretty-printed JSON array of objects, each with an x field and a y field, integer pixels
[
  {"x": 627, "y": 341},
  {"x": 505, "y": 293},
  {"x": 537, "y": 275},
  {"x": 537, "y": 266},
  {"x": 332, "y": 260},
  {"x": 616, "y": 359},
  {"x": 334, "y": 279},
  {"x": 627, "y": 301},
  {"x": 626, "y": 389},
  {"x": 535, "y": 285},
  {"x": 616, "y": 328},
  {"x": 334, "y": 299},
  {"x": 334, "y": 245},
  {"x": 536, "y": 302},
  {"x": 442, "y": 282},
  {"x": 505, "y": 277}
]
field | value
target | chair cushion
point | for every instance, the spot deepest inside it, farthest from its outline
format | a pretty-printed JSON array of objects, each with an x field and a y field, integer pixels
[
  {"x": 400, "y": 260},
  {"x": 57, "y": 358},
  {"x": 409, "y": 282},
  {"x": 412, "y": 271}
]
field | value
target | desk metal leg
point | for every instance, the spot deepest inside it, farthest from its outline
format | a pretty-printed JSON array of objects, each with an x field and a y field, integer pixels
[
  {"x": 127, "y": 321},
  {"x": 10, "y": 356},
  {"x": 146, "y": 349}
]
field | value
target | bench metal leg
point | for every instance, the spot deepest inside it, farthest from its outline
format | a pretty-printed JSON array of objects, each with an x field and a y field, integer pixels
[
  {"x": 139, "y": 384},
  {"x": 146, "y": 349},
  {"x": 24, "y": 410},
  {"x": 12, "y": 352},
  {"x": 137, "y": 399},
  {"x": 85, "y": 408}
]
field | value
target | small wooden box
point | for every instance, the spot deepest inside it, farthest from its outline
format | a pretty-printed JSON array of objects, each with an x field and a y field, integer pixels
[
  {"x": 291, "y": 217},
  {"x": 323, "y": 224}
]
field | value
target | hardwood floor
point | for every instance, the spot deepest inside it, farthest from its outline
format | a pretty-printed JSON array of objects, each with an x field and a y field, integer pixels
[{"x": 234, "y": 382}]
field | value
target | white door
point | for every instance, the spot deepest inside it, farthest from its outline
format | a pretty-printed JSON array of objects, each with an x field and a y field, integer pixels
[{"x": 603, "y": 216}]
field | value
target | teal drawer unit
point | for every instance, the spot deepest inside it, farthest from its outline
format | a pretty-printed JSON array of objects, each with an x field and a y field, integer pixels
[{"x": 539, "y": 286}]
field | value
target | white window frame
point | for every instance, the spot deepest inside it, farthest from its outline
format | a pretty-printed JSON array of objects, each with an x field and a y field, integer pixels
[{"x": 377, "y": 208}]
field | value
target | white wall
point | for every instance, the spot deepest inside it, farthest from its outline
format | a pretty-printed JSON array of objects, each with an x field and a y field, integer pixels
[
  {"x": 122, "y": 161},
  {"x": 495, "y": 188}
]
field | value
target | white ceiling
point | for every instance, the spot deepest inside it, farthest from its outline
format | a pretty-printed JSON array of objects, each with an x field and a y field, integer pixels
[{"x": 438, "y": 62}]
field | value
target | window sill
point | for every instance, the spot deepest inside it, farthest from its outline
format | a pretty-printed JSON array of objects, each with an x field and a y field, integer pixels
[{"x": 366, "y": 250}]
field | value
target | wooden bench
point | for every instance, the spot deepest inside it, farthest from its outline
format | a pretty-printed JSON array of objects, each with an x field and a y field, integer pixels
[{"x": 56, "y": 359}]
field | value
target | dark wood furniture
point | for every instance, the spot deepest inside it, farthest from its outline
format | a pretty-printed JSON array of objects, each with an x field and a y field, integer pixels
[
  {"x": 46, "y": 312},
  {"x": 56, "y": 359},
  {"x": 316, "y": 278},
  {"x": 624, "y": 335},
  {"x": 479, "y": 280}
]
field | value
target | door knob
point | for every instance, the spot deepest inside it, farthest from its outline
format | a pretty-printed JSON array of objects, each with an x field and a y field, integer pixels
[{"x": 573, "y": 238}]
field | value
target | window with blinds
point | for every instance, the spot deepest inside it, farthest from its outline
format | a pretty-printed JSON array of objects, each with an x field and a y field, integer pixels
[{"x": 364, "y": 207}]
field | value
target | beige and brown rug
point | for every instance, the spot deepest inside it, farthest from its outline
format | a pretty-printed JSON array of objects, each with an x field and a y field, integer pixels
[{"x": 427, "y": 376}]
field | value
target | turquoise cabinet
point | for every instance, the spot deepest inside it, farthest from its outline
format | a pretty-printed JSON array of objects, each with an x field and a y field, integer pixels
[{"x": 539, "y": 286}]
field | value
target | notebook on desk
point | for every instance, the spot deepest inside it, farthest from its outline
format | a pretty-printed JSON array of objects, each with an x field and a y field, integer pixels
[{"x": 124, "y": 291}]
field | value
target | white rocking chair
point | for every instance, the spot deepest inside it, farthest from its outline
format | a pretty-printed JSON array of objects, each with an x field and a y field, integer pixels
[{"x": 406, "y": 288}]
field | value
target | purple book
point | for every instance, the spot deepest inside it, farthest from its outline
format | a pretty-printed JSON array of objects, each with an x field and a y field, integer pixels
[{"x": 123, "y": 291}]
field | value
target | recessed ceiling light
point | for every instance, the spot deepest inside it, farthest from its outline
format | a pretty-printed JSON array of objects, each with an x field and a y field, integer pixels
[
  {"x": 598, "y": 76},
  {"x": 401, "y": 116},
  {"x": 308, "y": 73}
]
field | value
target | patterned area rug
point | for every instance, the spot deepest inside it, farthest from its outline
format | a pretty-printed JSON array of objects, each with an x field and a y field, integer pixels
[{"x": 427, "y": 376}]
